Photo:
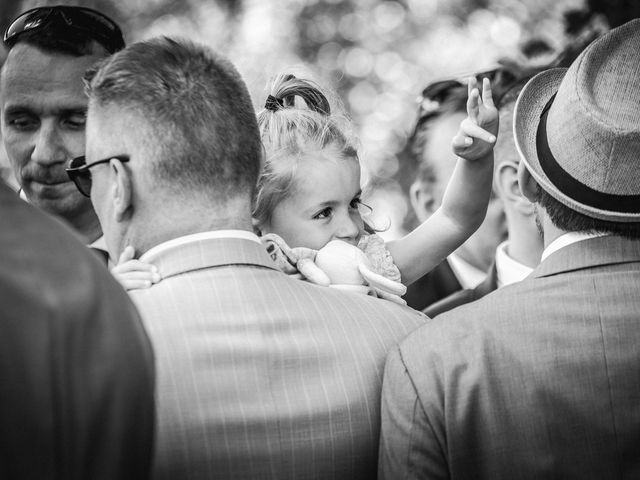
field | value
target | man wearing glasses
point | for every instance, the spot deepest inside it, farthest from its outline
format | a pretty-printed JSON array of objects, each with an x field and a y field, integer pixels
[{"x": 43, "y": 104}]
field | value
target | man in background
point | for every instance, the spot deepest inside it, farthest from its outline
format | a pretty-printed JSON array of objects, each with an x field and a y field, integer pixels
[
  {"x": 43, "y": 105},
  {"x": 516, "y": 257},
  {"x": 442, "y": 109},
  {"x": 540, "y": 379}
]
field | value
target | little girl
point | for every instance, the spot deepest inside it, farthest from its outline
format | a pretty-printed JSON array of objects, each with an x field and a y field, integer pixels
[{"x": 309, "y": 191}]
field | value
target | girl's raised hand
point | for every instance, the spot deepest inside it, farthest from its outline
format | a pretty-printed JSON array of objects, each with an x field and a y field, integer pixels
[
  {"x": 477, "y": 134},
  {"x": 134, "y": 274}
]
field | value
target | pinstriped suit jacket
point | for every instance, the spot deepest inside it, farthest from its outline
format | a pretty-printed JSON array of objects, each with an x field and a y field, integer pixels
[
  {"x": 261, "y": 375},
  {"x": 538, "y": 380}
]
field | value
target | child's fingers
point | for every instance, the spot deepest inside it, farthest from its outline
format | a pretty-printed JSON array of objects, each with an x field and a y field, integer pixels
[
  {"x": 487, "y": 94},
  {"x": 151, "y": 276},
  {"x": 134, "y": 266},
  {"x": 461, "y": 141},
  {"x": 473, "y": 105},
  {"x": 471, "y": 129},
  {"x": 471, "y": 84},
  {"x": 126, "y": 255},
  {"x": 129, "y": 284}
]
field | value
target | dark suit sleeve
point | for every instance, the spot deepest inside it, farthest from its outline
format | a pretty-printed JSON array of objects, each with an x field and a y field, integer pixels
[
  {"x": 449, "y": 303},
  {"x": 408, "y": 447},
  {"x": 76, "y": 366}
]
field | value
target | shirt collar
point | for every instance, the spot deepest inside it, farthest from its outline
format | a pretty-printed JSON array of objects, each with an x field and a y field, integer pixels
[
  {"x": 508, "y": 269},
  {"x": 196, "y": 237},
  {"x": 468, "y": 275},
  {"x": 566, "y": 240}
]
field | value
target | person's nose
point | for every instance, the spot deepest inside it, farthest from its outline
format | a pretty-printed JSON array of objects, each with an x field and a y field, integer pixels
[
  {"x": 349, "y": 228},
  {"x": 49, "y": 146}
]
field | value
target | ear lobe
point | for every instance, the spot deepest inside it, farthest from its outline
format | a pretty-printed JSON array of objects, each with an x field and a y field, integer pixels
[
  {"x": 122, "y": 190},
  {"x": 528, "y": 186},
  {"x": 422, "y": 201}
]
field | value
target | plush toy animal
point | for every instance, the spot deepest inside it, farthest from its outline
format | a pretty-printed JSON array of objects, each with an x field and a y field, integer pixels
[{"x": 338, "y": 264}]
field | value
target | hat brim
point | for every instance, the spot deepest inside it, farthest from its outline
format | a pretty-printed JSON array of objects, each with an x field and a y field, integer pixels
[
  {"x": 531, "y": 102},
  {"x": 526, "y": 119}
]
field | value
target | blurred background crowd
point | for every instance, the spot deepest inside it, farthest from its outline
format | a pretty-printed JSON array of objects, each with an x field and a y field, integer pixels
[{"x": 376, "y": 55}]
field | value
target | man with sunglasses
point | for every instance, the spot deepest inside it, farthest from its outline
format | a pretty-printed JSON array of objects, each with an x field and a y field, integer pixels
[
  {"x": 44, "y": 106},
  {"x": 427, "y": 165},
  {"x": 259, "y": 374}
]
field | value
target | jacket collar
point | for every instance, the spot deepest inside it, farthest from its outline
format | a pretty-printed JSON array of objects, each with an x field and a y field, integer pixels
[
  {"x": 210, "y": 252},
  {"x": 593, "y": 252}
]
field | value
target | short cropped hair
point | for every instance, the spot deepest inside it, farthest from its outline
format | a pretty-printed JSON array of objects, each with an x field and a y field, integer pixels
[
  {"x": 197, "y": 109},
  {"x": 569, "y": 220}
]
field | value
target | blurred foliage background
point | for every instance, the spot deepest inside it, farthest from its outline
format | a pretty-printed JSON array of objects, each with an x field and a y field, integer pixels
[{"x": 377, "y": 55}]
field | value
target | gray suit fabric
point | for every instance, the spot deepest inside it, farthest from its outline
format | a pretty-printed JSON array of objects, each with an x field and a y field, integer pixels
[
  {"x": 261, "y": 375},
  {"x": 538, "y": 380}
]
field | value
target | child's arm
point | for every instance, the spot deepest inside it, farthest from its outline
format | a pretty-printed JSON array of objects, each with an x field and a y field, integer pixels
[
  {"x": 134, "y": 274},
  {"x": 465, "y": 201}
]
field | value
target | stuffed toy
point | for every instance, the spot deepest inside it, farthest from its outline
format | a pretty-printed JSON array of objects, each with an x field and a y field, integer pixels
[{"x": 366, "y": 268}]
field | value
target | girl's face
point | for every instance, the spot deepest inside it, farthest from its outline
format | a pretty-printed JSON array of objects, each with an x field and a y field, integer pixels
[{"x": 324, "y": 205}]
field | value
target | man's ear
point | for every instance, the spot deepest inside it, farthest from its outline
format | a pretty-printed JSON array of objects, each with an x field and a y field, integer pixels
[
  {"x": 422, "y": 201},
  {"x": 123, "y": 190},
  {"x": 506, "y": 176},
  {"x": 528, "y": 186}
]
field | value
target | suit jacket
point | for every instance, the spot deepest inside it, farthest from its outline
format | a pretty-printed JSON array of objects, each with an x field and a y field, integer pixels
[
  {"x": 261, "y": 375},
  {"x": 76, "y": 366},
  {"x": 537, "y": 380},
  {"x": 435, "y": 285},
  {"x": 468, "y": 295}
]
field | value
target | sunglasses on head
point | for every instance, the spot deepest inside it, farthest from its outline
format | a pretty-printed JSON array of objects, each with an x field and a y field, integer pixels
[
  {"x": 90, "y": 23},
  {"x": 437, "y": 93},
  {"x": 79, "y": 173}
]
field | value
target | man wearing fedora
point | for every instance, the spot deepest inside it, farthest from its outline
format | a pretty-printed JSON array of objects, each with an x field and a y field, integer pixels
[{"x": 541, "y": 379}]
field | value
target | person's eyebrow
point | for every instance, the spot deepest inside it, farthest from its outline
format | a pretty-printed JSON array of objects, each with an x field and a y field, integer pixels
[
  {"x": 16, "y": 109},
  {"x": 67, "y": 112},
  {"x": 62, "y": 112}
]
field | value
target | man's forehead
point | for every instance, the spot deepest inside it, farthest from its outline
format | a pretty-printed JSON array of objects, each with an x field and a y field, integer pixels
[{"x": 31, "y": 71}]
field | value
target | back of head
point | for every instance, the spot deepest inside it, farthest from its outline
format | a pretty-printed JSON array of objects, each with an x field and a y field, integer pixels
[
  {"x": 199, "y": 121},
  {"x": 291, "y": 131},
  {"x": 578, "y": 130}
]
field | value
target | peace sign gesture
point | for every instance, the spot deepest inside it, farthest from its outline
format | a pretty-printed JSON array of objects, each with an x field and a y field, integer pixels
[{"x": 477, "y": 134}]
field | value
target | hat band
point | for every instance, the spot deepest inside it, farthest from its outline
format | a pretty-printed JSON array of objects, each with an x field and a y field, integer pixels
[{"x": 571, "y": 187}]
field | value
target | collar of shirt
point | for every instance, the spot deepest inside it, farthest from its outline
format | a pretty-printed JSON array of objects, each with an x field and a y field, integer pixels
[
  {"x": 468, "y": 275},
  {"x": 566, "y": 240},
  {"x": 195, "y": 237},
  {"x": 99, "y": 244},
  {"x": 508, "y": 269}
]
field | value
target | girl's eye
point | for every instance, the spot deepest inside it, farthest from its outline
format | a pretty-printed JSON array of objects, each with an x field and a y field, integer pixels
[
  {"x": 324, "y": 213},
  {"x": 355, "y": 203}
]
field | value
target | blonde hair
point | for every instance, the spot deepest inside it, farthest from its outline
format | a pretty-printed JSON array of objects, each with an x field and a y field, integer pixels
[{"x": 291, "y": 132}]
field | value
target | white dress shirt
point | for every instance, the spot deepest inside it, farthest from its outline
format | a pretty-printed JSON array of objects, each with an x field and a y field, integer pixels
[{"x": 508, "y": 269}]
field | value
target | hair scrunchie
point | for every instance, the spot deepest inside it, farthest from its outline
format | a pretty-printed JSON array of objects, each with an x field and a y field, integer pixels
[{"x": 274, "y": 104}]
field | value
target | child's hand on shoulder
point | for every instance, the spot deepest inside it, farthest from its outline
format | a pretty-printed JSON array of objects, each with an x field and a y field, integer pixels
[
  {"x": 477, "y": 134},
  {"x": 134, "y": 274}
]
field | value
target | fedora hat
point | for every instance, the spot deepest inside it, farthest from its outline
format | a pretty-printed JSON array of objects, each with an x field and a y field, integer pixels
[{"x": 578, "y": 129}]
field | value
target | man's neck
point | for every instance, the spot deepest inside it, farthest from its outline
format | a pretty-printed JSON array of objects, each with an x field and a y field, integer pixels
[
  {"x": 143, "y": 238},
  {"x": 525, "y": 246}
]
